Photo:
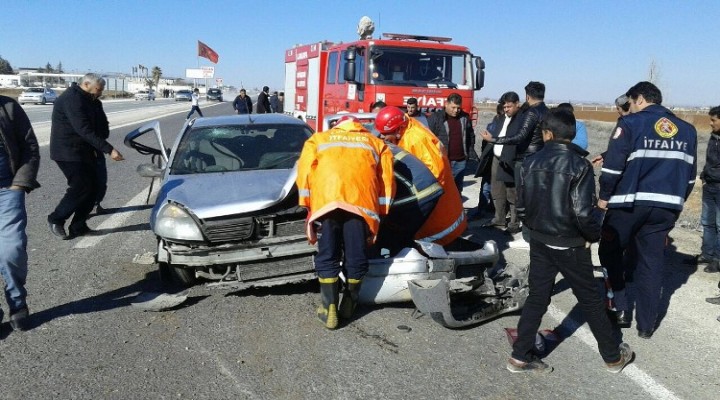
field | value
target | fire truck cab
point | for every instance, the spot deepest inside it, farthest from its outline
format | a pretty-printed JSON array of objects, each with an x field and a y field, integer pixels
[{"x": 327, "y": 78}]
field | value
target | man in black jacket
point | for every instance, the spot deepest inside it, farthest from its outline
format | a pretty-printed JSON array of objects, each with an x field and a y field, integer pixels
[
  {"x": 76, "y": 137},
  {"x": 557, "y": 200},
  {"x": 263, "y": 101},
  {"x": 19, "y": 163},
  {"x": 453, "y": 127},
  {"x": 710, "y": 176}
]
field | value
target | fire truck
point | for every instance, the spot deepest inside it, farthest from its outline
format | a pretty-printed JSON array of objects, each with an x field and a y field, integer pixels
[{"x": 327, "y": 78}]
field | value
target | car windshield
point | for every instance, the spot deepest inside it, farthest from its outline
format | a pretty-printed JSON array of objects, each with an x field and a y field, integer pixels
[
  {"x": 239, "y": 148},
  {"x": 213, "y": 91},
  {"x": 36, "y": 90},
  {"x": 183, "y": 92}
]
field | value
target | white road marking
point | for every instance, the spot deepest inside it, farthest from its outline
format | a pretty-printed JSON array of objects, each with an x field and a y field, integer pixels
[
  {"x": 116, "y": 220},
  {"x": 632, "y": 371}
]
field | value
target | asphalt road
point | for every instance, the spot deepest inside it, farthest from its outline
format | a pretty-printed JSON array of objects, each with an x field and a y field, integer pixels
[{"x": 88, "y": 342}]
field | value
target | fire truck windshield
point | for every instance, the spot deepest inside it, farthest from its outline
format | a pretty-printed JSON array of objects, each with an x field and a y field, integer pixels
[{"x": 420, "y": 67}]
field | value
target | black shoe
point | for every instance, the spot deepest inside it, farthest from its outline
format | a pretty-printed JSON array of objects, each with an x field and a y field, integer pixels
[
  {"x": 714, "y": 266},
  {"x": 58, "y": 230},
  {"x": 713, "y": 300},
  {"x": 81, "y": 231},
  {"x": 645, "y": 334},
  {"x": 511, "y": 229},
  {"x": 623, "y": 318},
  {"x": 701, "y": 259},
  {"x": 19, "y": 319}
]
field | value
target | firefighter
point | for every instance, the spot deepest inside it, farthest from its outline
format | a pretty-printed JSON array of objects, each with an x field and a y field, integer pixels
[
  {"x": 447, "y": 221},
  {"x": 345, "y": 180}
]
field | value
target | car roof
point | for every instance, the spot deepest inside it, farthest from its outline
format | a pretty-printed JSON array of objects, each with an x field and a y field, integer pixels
[{"x": 248, "y": 119}]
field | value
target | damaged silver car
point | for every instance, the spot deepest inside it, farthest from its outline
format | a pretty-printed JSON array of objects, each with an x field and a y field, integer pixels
[{"x": 227, "y": 211}]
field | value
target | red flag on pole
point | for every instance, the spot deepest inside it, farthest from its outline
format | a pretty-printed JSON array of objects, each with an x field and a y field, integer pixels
[{"x": 207, "y": 52}]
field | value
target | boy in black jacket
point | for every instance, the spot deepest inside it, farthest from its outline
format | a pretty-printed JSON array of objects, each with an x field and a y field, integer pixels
[{"x": 556, "y": 200}]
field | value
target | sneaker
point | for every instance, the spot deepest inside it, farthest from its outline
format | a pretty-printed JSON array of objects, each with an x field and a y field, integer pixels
[
  {"x": 713, "y": 267},
  {"x": 713, "y": 300},
  {"x": 536, "y": 366},
  {"x": 626, "y": 357},
  {"x": 19, "y": 319}
]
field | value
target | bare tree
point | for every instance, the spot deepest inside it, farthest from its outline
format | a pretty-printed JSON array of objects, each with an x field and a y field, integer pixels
[{"x": 654, "y": 73}]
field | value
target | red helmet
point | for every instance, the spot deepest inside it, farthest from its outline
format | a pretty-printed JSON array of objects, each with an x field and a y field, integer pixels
[{"x": 390, "y": 120}]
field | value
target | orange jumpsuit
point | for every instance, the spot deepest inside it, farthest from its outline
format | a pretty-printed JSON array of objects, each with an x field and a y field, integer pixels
[
  {"x": 346, "y": 168},
  {"x": 447, "y": 221}
]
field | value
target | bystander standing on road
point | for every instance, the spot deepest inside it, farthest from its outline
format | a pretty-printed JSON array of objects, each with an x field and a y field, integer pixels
[
  {"x": 502, "y": 175},
  {"x": 19, "y": 163},
  {"x": 453, "y": 127},
  {"x": 528, "y": 136},
  {"x": 195, "y": 104},
  {"x": 561, "y": 223},
  {"x": 75, "y": 140},
  {"x": 274, "y": 102},
  {"x": 414, "y": 111},
  {"x": 263, "y": 101},
  {"x": 242, "y": 103},
  {"x": 710, "y": 177},
  {"x": 648, "y": 172},
  {"x": 347, "y": 215}
]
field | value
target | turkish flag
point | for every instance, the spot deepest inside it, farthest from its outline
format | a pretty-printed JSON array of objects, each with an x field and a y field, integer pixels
[{"x": 207, "y": 52}]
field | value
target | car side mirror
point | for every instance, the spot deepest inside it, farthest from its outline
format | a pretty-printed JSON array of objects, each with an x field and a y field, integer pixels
[{"x": 150, "y": 171}]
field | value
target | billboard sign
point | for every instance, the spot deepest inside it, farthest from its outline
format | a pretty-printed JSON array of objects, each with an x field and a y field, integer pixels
[{"x": 200, "y": 73}]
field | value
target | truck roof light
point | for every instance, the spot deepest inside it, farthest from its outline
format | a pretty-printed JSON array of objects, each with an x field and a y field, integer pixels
[{"x": 401, "y": 36}]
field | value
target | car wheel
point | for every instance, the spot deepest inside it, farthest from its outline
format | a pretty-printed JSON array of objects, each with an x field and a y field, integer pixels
[
  {"x": 44, "y": 101},
  {"x": 182, "y": 276}
]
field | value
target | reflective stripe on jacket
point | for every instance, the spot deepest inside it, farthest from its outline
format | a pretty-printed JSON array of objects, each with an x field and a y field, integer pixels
[
  {"x": 447, "y": 221},
  {"x": 346, "y": 168}
]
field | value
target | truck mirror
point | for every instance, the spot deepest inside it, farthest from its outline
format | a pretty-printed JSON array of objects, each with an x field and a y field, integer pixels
[
  {"x": 350, "y": 54},
  {"x": 479, "y": 73}
]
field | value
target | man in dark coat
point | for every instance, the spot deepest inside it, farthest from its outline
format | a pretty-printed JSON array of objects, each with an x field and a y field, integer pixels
[
  {"x": 242, "y": 103},
  {"x": 76, "y": 137},
  {"x": 263, "y": 101}
]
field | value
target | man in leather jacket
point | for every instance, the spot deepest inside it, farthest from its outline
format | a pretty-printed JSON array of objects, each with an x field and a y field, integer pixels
[{"x": 556, "y": 199}]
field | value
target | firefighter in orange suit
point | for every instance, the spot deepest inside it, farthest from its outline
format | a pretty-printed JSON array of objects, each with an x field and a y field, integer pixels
[
  {"x": 447, "y": 221},
  {"x": 345, "y": 179}
]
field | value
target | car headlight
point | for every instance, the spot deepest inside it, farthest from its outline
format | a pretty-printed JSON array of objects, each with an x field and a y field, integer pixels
[{"x": 173, "y": 222}]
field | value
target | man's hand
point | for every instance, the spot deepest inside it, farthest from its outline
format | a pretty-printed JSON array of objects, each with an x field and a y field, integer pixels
[
  {"x": 116, "y": 156},
  {"x": 602, "y": 204},
  {"x": 597, "y": 161},
  {"x": 486, "y": 136}
]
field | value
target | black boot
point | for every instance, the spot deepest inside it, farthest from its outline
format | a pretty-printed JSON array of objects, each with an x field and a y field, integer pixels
[
  {"x": 350, "y": 298},
  {"x": 329, "y": 296}
]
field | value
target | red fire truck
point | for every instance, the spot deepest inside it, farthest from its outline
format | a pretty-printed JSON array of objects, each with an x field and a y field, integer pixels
[{"x": 327, "y": 78}]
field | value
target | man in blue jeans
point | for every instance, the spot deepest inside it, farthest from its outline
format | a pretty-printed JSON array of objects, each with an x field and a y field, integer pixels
[
  {"x": 710, "y": 176},
  {"x": 19, "y": 163}
]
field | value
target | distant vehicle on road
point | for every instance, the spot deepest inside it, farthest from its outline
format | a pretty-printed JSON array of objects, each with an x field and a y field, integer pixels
[
  {"x": 214, "y": 94},
  {"x": 183, "y": 95},
  {"x": 145, "y": 95},
  {"x": 37, "y": 95}
]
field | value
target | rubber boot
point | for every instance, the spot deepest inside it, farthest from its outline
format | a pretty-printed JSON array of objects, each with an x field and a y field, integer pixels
[
  {"x": 350, "y": 298},
  {"x": 329, "y": 295}
]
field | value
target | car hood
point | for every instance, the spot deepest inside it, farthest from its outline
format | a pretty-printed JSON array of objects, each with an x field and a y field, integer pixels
[{"x": 228, "y": 193}]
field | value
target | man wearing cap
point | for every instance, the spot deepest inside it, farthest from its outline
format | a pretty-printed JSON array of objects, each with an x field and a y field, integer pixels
[
  {"x": 345, "y": 180},
  {"x": 263, "y": 101}
]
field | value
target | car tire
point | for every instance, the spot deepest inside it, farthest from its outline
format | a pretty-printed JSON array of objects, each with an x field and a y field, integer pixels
[
  {"x": 43, "y": 101},
  {"x": 181, "y": 276}
]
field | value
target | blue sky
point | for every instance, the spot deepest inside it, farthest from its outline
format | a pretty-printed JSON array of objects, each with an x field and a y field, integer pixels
[{"x": 582, "y": 50}]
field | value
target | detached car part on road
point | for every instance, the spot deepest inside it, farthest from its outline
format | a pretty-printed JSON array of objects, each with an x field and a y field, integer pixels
[{"x": 227, "y": 211}]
